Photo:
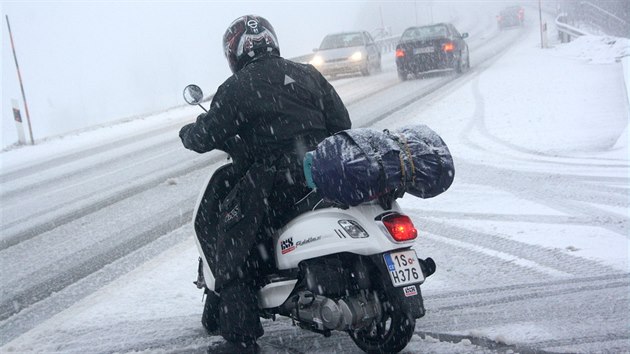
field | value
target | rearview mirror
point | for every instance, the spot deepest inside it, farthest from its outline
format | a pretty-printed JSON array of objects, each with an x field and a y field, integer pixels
[
  {"x": 465, "y": 35},
  {"x": 193, "y": 94}
]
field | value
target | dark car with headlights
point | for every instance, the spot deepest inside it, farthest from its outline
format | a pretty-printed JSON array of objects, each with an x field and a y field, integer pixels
[
  {"x": 348, "y": 52},
  {"x": 434, "y": 47},
  {"x": 511, "y": 16}
]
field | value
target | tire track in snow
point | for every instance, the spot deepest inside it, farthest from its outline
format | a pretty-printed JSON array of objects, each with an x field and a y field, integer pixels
[
  {"x": 33, "y": 225},
  {"x": 603, "y": 301},
  {"x": 41, "y": 166},
  {"x": 41, "y": 284},
  {"x": 528, "y": 294},
  {"x": 82, "y": 170},
  {"x": 480, "y": 298},
  {"x": 557, "y": 193},
  {"x": 33, "y": 316},
  {"x": 482, "y": 342},
  {"x": 539, "y": 219},
  {"x": 483, "y": 292},
  {"x": 548, "y": 260},
  {"x": 556, "y": 344}
]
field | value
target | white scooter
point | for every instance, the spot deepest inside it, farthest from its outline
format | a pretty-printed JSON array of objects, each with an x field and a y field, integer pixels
[{"x": 346, "y": 269}]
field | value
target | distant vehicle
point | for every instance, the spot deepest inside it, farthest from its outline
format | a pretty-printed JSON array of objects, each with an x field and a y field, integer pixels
[
  {"x": 348, "y": 52},
  {"x": 433, "y": 47},
  {"x": 511, "y": 16}
]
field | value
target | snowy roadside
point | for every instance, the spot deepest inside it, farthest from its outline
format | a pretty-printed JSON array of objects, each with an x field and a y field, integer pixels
[{"x": 16, "y": 157}]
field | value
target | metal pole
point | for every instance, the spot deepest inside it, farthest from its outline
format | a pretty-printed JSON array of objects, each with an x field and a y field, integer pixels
[
  {"x": 415, "y": 11},
  {"x": 380, "y": 8},
  {"x": 541, "y": 23},
  {"x": 28, "y": 117}
]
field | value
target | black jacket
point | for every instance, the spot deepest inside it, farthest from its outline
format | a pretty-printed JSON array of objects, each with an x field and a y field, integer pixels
[{"x": 279, "y": 108}]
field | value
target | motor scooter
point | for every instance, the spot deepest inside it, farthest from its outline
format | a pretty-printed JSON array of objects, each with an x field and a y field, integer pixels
[{"x": 339, "y": 268}]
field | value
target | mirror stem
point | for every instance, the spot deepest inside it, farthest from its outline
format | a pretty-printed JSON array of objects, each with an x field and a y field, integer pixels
[{"x": 202, "y": 107}]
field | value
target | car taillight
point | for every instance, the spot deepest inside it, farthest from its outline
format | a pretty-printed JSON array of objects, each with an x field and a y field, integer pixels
[
  {"x": 400, "y": 53},
  {"x": 448, "y": 47},
  {"x": 400, "y": 227}
]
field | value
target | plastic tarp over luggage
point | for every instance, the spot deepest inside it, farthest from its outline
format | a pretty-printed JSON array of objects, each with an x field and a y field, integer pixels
[{"x": 359, "y": 165}]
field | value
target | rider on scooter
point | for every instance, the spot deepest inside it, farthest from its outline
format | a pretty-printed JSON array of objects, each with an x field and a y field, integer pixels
[{"x": 267, "y": 114}]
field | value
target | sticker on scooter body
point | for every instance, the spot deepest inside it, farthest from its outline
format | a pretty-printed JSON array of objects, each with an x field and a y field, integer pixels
[
  {"x": 403, "y": 267},
  {"x": 410, "y": 290}
]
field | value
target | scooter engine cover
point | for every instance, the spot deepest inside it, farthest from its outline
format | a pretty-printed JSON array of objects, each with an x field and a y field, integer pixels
[{"x": 326, "y": 276}]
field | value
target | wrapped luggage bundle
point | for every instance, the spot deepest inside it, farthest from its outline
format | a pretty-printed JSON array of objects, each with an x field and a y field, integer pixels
[{"x": 359, "y": 165}]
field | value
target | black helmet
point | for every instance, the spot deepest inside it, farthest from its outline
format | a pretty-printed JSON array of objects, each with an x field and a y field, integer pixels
[{"x": 247, "y": 37}]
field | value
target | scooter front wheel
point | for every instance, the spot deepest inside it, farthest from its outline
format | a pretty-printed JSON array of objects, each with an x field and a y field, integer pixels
[{"x": 389, "y": 335}]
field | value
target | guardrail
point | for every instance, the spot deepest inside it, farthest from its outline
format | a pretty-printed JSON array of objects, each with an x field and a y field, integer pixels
[
  {"x": 611, "y": 17},
  {"x": 388, "y": 44},
  {"x": 565, "y": 31},
  {"x": 600, "y": 15}
]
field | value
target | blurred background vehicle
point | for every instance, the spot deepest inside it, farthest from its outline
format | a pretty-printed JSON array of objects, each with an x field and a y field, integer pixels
[
  {"x": 434, "y": 47},
  {"x": 511, "y": 16},
  {"x": 348, "y": 52}
]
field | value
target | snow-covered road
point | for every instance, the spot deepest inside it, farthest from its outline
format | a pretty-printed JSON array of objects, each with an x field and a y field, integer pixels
[{"x": 531, "y": 241}]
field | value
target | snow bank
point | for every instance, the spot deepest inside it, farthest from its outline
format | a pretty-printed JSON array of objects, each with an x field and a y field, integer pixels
[
  {"x": 603, "y": 50},
  {"x": 596, "y": 49}
]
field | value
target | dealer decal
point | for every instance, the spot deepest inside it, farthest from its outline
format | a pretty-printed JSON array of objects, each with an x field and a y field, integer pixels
[
  {"x": 288, "y": 246},
  {"x": 410, "y": 290}
]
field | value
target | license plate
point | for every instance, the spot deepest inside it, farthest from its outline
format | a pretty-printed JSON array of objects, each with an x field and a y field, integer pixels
[
  {"x": 403, "y": 267},
  {"x": 423, "y": 50}
]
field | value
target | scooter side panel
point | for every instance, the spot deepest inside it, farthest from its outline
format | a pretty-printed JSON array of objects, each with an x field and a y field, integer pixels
[
  {"x": 207, "y": 273},
  {"x": 318, "y": 233}
]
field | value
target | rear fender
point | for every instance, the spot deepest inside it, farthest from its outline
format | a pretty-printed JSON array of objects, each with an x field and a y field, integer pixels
[{"x": 406, "y": 298}]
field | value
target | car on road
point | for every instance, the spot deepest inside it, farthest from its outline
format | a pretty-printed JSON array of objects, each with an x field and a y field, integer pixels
[
  {"x": 510, "y": 17},
  {"x": 347, "y": 52},
  {"x": 434, "y": 47}
]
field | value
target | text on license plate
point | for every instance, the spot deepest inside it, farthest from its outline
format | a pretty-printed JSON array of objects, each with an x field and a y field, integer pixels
[
  {"x": 403, "y": 267},
  {"x": 423, "y": 50}
]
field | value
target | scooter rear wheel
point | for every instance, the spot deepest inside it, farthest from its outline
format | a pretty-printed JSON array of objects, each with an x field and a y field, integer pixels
[{"x": 390, "y": 335}]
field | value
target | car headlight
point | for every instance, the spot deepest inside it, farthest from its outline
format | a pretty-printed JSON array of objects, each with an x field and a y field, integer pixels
[
  {"x": 316, "y": 61},
  {"x": 356, "y": 56}
]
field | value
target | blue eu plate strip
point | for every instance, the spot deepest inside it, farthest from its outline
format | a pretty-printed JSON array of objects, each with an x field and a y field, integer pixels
[{"x": 389, "y": 262}]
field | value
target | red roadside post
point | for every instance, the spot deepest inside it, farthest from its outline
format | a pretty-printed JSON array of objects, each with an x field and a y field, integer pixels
[{"x": 28, "y": 117}]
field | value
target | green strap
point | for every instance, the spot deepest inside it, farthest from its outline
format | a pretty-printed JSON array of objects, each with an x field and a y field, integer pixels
[{"x": 308, "y": 174}]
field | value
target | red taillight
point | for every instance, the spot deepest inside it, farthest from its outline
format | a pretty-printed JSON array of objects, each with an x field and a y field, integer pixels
[
  {"x": 448, "y": 47},
  {"x": 400, "y": 53},
  {"x": 400, "y": 227}
]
